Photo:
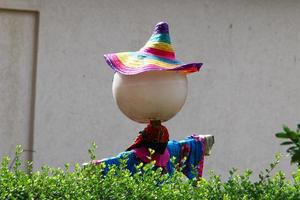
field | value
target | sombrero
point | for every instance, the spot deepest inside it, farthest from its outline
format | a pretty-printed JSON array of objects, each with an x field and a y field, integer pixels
[{"x": 156, "y": 55}]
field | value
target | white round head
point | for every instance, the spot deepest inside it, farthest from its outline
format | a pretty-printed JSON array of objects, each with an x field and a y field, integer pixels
[{"x": 153, "y": 95}]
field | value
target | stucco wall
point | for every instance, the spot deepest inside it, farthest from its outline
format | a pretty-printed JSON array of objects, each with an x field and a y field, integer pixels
[
  {"x": 17, "y": 80},
  {"x": 248, "y": 87}
]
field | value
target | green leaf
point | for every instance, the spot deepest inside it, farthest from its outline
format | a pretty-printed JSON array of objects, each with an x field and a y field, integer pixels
[
  {"x": 295, "y": 158},
  {"x": 294, "y": 135},
  {"x": 293, "y": 148},
  {"x": 287, "y": 143},
  {"x": 286, "y": 129},
  {"x": 281, "y": 135}
]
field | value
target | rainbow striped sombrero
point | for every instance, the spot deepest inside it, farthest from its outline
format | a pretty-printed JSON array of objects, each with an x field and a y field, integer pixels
[{"x": 157, "y": 54}]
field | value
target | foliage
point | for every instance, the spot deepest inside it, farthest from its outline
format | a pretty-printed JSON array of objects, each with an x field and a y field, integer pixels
[
  {"x": 89, "y": 183},
  {"x": 293, "y": 140}
]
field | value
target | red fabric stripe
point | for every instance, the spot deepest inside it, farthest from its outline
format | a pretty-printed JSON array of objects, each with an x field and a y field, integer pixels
[{"x": 158, "y": 52}]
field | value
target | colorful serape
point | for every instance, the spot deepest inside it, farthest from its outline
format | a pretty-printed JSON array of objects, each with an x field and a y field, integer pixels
[{"x": 192, "y": 149}]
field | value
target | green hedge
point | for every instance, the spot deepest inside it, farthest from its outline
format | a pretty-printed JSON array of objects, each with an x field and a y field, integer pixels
[{"x": 88, "y": 183}]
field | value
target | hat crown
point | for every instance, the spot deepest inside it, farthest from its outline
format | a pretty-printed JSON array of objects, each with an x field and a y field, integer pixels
[
  {"x": 161, "y": 28},
  {"x": 159, "y": 43}
]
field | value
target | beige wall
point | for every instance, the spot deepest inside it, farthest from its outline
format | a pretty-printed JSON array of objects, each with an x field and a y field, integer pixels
[
  {"x": 17, "y": 80},
  {"x": 248, "y": 88}
]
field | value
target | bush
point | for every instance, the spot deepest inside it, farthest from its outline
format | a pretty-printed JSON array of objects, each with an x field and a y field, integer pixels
[
  {"x": 89, "y": 183},
  {"x": 293, "y": 140}
]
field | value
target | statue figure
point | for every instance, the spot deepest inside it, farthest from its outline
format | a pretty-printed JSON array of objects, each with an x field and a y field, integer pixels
[{"x": 150, "y": 86}]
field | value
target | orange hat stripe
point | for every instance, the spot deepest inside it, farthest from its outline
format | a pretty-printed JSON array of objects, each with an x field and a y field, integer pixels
[{"x": 131, "y": 62}]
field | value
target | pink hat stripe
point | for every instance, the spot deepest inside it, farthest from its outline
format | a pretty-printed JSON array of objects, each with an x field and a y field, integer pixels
[
  {"x": 189, "y": 68},
  {"x": 118, "y": 65}
]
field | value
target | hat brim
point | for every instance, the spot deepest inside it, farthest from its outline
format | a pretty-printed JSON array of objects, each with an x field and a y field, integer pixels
[{"x": 130, "y": 63}]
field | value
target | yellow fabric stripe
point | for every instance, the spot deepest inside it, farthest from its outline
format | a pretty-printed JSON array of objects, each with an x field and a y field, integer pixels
[
  {"x": 160, "y": 45},
  {"x": 131, "y": 62}
]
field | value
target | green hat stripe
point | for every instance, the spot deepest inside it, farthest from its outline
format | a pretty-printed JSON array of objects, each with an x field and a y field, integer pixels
[{"x": 161, "y": 38}]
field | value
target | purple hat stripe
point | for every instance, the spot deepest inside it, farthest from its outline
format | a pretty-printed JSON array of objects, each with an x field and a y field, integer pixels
[{"x": 161, "y": 28}]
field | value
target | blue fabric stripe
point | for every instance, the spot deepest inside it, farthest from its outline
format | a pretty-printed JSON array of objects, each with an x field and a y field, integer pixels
[{"x": 140, "y": 56}]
